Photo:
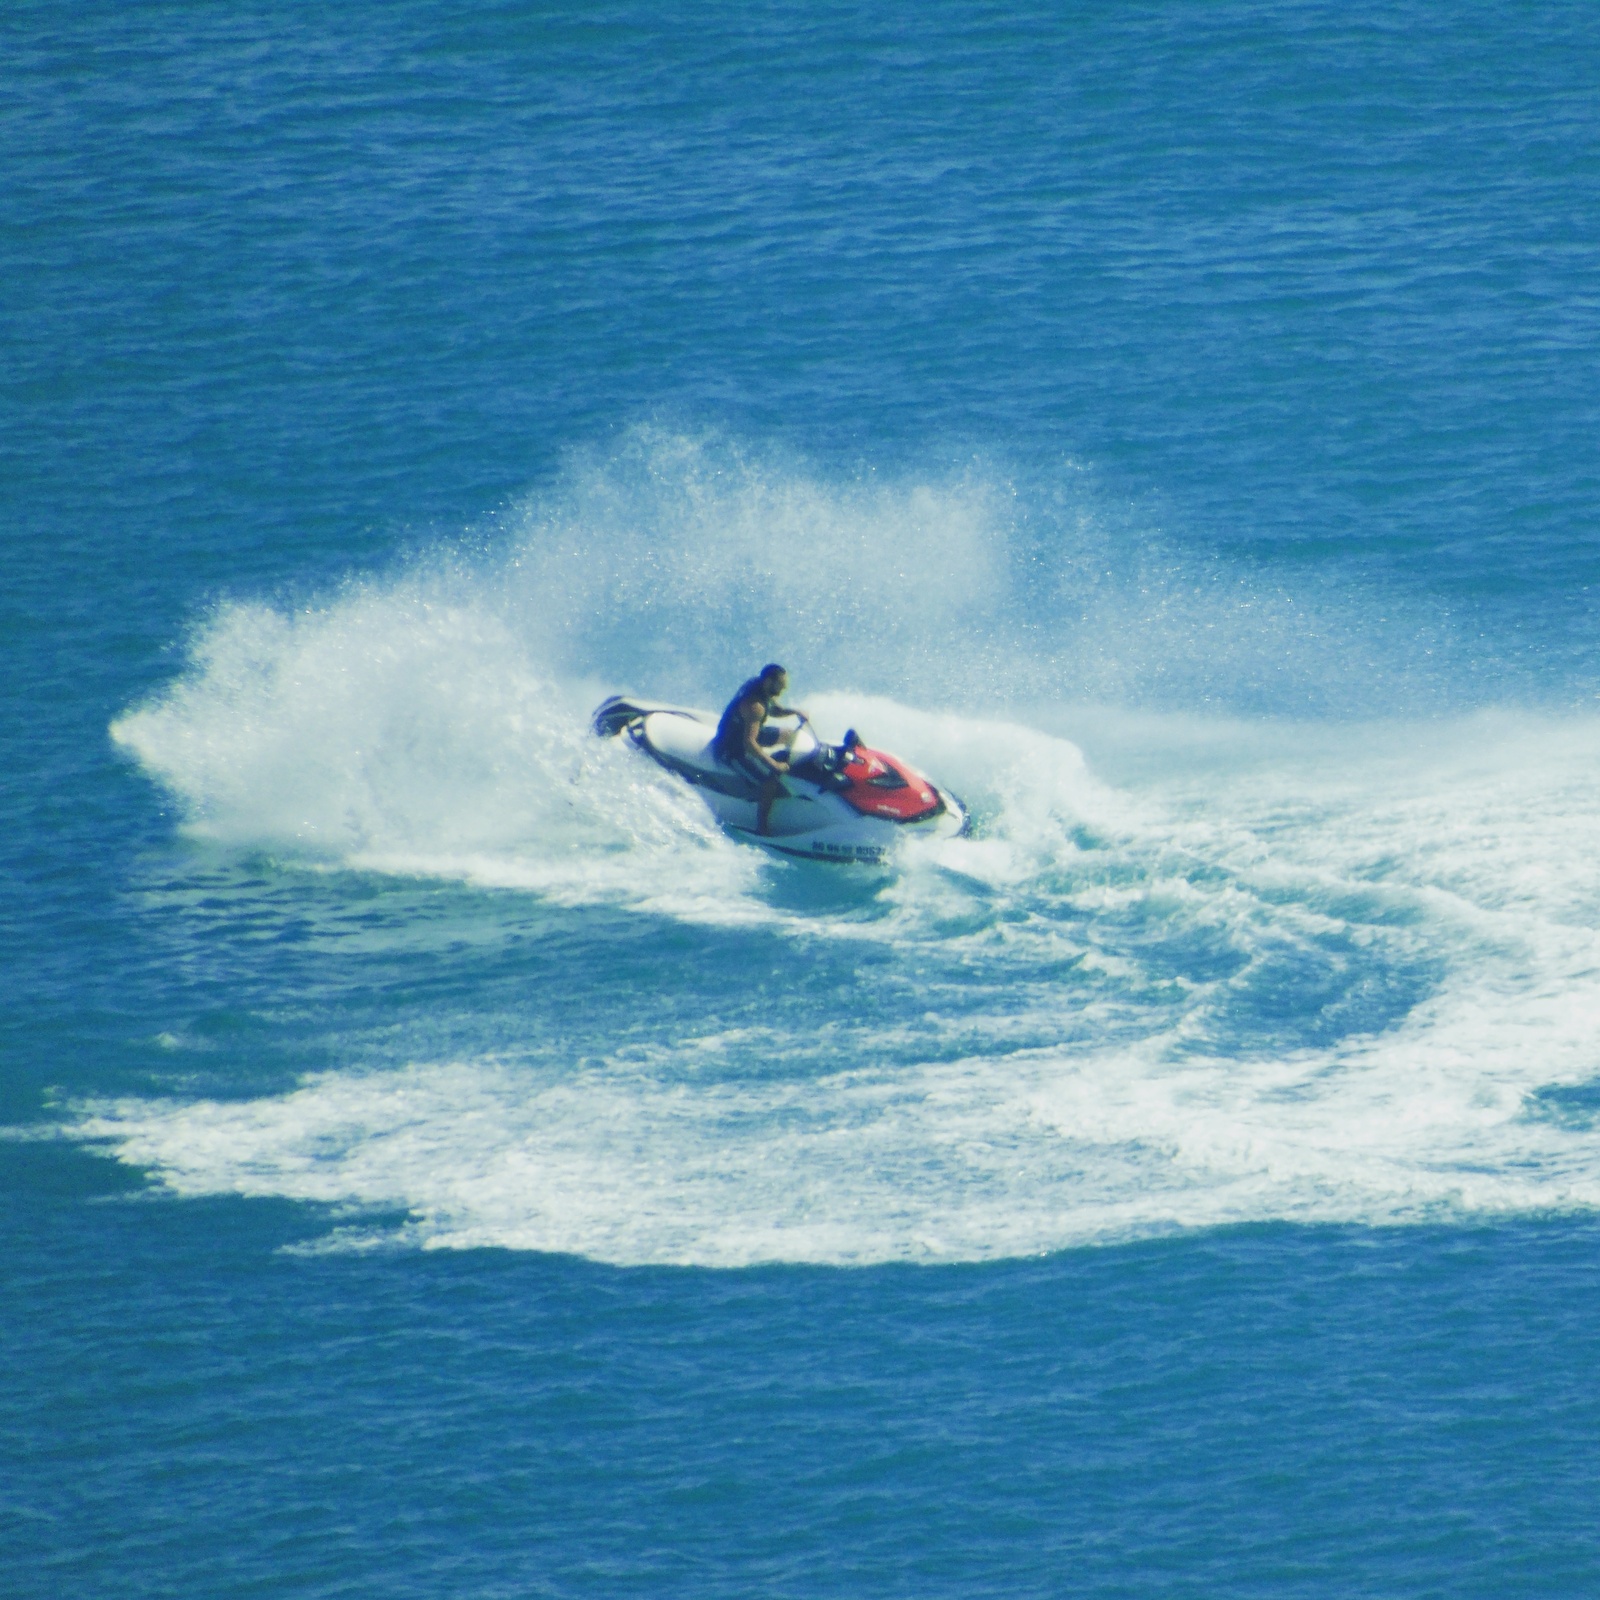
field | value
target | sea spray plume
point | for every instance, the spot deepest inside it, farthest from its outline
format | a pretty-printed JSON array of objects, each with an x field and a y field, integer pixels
[
  {"x": 682, "y": 562},
  {"x": 369, "y": 719},
  {"x": 433, "y": 719},
  {"x": 402, "y": 728}
]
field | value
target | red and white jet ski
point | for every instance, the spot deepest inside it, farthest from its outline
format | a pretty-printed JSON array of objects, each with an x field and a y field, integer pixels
[{"x": 839, "y": 802}]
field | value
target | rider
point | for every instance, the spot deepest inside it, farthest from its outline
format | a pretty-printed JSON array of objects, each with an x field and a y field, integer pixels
[{"x": 738, "y": 740}]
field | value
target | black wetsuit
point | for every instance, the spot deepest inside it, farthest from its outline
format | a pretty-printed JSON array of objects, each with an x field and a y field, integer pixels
[{"x": 729, "y": 746}]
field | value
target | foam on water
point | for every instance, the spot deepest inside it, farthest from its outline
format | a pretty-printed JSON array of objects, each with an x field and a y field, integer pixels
[
  {"x": 1002, "y": 1151},
  {"x": 1224, "y": 971}
]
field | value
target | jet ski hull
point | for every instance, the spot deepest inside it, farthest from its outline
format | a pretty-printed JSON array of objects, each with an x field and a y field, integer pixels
[{"x": 839, "y": 803}]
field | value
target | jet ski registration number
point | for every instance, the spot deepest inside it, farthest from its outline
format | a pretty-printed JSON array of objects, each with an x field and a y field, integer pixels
[{"x": 848, "y": 852}]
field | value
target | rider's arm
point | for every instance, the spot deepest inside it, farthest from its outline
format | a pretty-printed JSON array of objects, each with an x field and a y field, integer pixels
[{"x": 752, "y": 728}]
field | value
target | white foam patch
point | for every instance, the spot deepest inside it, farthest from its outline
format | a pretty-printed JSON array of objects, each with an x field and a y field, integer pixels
[
  {"x": 985, "y": 1157},
  {"x": 399, "y": 732}
]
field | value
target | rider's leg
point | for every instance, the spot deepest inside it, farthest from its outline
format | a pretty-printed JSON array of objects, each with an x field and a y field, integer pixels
[{"x": 770, "y": 791}]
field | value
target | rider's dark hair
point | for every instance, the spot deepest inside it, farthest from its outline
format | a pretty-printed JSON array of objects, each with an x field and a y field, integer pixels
[{"x": 772, "y": 670}]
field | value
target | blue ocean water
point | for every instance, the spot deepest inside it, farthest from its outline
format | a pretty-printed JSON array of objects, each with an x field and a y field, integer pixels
[{"x": 437, "y": 1162}]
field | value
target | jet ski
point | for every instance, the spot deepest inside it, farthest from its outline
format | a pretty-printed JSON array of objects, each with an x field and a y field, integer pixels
[{"x": 838, "y": 802}]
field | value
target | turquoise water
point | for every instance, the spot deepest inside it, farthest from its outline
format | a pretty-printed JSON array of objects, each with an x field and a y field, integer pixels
[{"x": 437, "y": 1161}]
